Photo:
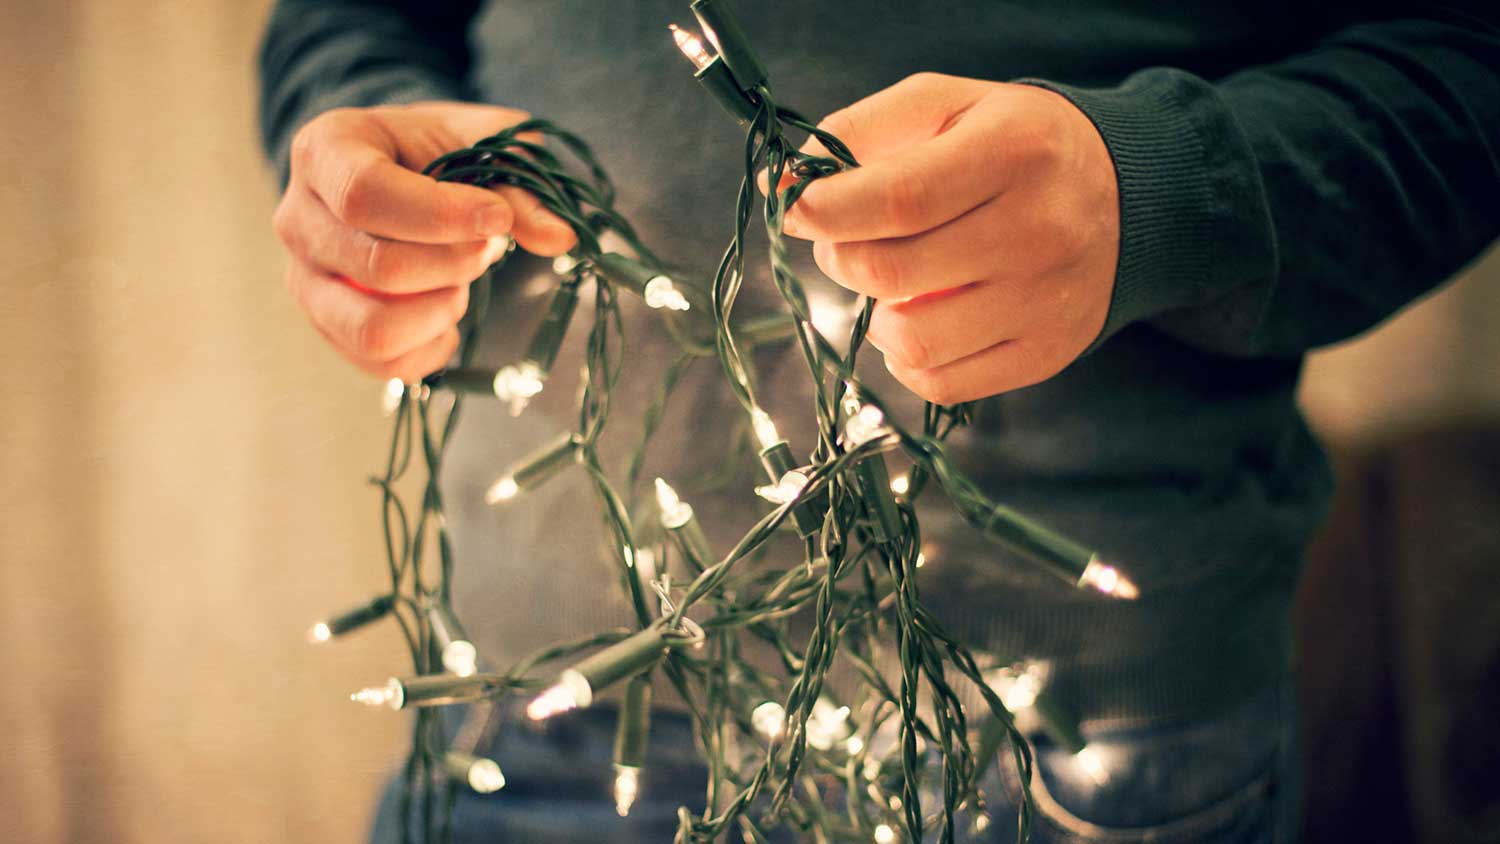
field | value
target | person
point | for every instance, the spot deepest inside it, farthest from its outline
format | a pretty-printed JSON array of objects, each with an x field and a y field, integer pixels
[{"x": 1123, "y": 254}]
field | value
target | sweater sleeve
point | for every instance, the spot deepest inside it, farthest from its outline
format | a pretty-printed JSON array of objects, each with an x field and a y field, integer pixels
[
  {"x": 322, "y": 54},
  {"x": 1296, "y": 204}
]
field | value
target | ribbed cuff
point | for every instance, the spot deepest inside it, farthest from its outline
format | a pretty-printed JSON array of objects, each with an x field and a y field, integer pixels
[{"x": 1188, "y": 191}]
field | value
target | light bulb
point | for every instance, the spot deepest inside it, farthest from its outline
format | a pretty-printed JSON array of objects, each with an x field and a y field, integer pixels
[
  {"x": 863, "y": 426},
  {"x": 571, "y": 691},
  {"x": 391, "y": 694},
  {"x": 1107, "y": 579},
  {"x": 461, "y": 657},
  {"x": 768, "y": 719},
  {"x": 786, "y": 489},
  {"x": 764, "y": 427},
  {"x": 661, "y": 293},
  {"x": 564, "y": 264},
  {"x": 1092, "y": 763},
  {"x": 884, "y": 834},
  {"x": 390, "y": 400},
  {"x": 485, "y": 776},
  {"x": 674, "y": 511},
  {"x": 900, "y": 484},
  {"x": 319, "y": 632},
  {"x": 627, "y": 788},
  {"x": 691, "y": 46},
  {"x": 921, "y": 559},
  {"x": 855, "y": 745},
  {"x": 849, "y": 401},
  {"x": 827, "y": 724},
  {"x": 502, "y": 490},
  {"x": 518, "y": 384}
]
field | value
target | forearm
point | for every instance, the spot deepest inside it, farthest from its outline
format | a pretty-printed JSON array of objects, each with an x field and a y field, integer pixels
[
  {"x": 321, "y": 55},
  {"x": 1300, "y": 203}
]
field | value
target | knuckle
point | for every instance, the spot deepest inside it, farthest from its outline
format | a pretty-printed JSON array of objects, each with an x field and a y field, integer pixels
[
  {"x": 381, "y": 264},
  {"x": 923, "y": 80},
  {"x": 875, "y": 269},
  {"x": 907, "y": 196},
  {"x": 373, "y": 338},
  {"x": 357, "y": 195},
  {"x": 458, "y": 304}
]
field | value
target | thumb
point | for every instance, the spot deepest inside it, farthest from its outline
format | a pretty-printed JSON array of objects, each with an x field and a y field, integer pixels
[{"x": 916, "y": 109}]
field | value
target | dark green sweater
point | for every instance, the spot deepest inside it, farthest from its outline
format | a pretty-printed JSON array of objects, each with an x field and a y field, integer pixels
[{"x": 1290, "y": 174}]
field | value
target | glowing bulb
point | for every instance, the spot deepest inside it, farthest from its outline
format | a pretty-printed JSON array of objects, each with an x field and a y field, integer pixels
[
  {"x": 461, "y": 658},
  {"x": 981, "y": 823},
  {"x": 884, "y": 834},
  {"x": 391, "y": 694},
  {"x": 900, "y": 484},
  {"x": 921, "y": 559},
  {"x": 765, "y": 428},
  {"x": 1107, "y": 579},
  {"x": 787, "y": 489},
  {"x": 485, "y": 776},
  {"x": 829, "y": 316},
  {"x": 644, "y": 561},
  {"x": 768, "y": 719},
  {"x": 827, "y": 724},
  {"x": 674, "y": 511},
  {"x": 390, "y": 400},
  {"x": 518, "y": 384},
  {"x": 855, "y": 745},
  {"x": 571, "y": 691},
  {"x": 627, "y": 788},
  {"x": 502, "y": 490},
  {"x": 1092, "y": 763},
  {"x": 866, "y": 425},
  {"x": 1018, "y": 685},
  {"x": 661, "y": 293},
  {"x": 691, "y": 46},
  {"x": 319, "y": 633},
  {"x": 564, "y": 264}
]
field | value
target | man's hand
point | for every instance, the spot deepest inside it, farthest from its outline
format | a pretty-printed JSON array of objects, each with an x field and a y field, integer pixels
[
  {"x": 382, "y": 256},
  {"x": 986, "y": 221}
]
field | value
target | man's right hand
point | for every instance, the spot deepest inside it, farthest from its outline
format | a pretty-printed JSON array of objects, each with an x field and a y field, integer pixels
[{"x": 382, "y": 256}]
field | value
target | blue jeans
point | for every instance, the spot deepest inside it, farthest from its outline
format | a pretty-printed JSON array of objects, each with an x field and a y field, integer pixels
[{"x": 1230, "y": 779}]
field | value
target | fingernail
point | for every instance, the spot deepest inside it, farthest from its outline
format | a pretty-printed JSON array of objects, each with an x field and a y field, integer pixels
[{"x": 495, "y": 219}]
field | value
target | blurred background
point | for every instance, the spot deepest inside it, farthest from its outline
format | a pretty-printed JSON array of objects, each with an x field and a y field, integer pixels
[{"x": 183, "y": 465}]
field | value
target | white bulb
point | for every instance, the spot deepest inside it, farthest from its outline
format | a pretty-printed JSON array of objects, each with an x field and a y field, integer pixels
[
  {"x": 764, "y": 427},
  {"x": 390, "y": 400},
  {"x": 855, "y": 745},
  {"x": 644, "y": 560},
  {"x": 884, "y": 834},
  {"x": 787, "y": 489},
  {"x": 921, "y": 559},
  {"x": 1019, "y": 685},
  {"x": 627, "y": 788},
  {"x": 866, "y": 425},
  {"x": 571, "y": 691},
  {"x": 692, "y": 47},
  {"x": 832, "y": 319},
  {"x": 1092, "y": 763},
  {"x": 768, "y": 719},
  {"x": 660, "y": 293},
  {"x": 517, "y": 385},
  {"x": 502, "y": 490},
  {"x": 827, "y": 724},
  {"x": 391, "y": 694},
  {"x": 320, "y": 632},
  {"x": 674, "y": 511},
  {"x": 1107, "y": 579},
  {"x": 485, "y": 776},
  {"x": 461, "y": 657},
  {"x": 900, "y": 484},
  {"x": 564, "y": 264}
]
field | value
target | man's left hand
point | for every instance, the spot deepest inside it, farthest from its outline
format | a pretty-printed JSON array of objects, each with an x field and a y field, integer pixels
[{"x": 985, "y": 219}]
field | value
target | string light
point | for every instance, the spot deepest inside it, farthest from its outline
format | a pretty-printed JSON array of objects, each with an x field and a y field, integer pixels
[
  {"x": 631, "y": 732},
  {"x": 657, "y": 290},
  {"x": 900, "y": 484},
  {"x": 350, "y": 620},
  {"x": 682, "y": 525},
  {"x": 1107, "y": 579},
  {"x": 827, "y": 724},
  {"x": 1091, "y": 761},
  {"x": 713, "y": 74},
  {"x": 575, "y": 687},
  {"x": 768, "y": 719},
  {"x": 536, "y": 467},
  {"x": 456, "y": 651},
  {"x": 884, "y": 834},
  {"x": 430, "y": 690},
  {"x": 483, "y": 775},
  {"x": 392, "y": 396},
  {"x": 787, "y": 481}
]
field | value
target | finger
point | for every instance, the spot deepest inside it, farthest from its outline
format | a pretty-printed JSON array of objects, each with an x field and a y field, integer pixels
[
  {"x": 536, "y": 229},
  {"x": 314, "y": 234},
  {"x": 981, "y": 244},
  {"x": 910, "y": 191},
  {"x": 943, "y": 327},
  {"x": 365, "y": 188},
  {"x": 1006, "y": 366},
  {"x": 417, "y": 363},
  {"x": 368, "y": 327},
  {"x": 917, "y": 108}
]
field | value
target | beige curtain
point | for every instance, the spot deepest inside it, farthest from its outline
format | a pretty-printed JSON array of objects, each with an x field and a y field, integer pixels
[{"x": 182, "y": 460}]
